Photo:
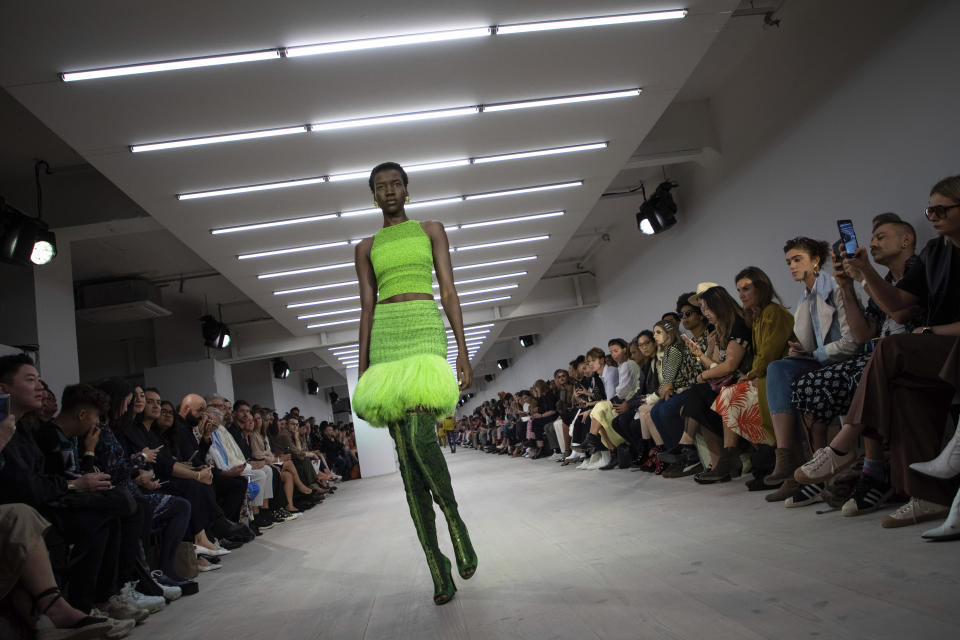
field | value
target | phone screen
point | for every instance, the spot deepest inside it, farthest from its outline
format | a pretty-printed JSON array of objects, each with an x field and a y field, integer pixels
[
  {"x": 847, "y": 236},
  {"x": 4, "y": 406}
]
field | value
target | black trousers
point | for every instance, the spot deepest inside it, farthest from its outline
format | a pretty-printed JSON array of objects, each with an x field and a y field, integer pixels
[
  {"x": 230, "y": 492},
  {"x": 204, "y": 509}
]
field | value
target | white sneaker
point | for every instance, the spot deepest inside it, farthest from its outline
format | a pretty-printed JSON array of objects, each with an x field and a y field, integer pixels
[
  {"x": 170, "y": 592},
  {"x": 824, "y": 465},
  {"x": 913, "y": 512},
  {"x": 557, "y": 457},
  {"x": 141, "y": 601},
  {"x": 119, "y": 609}
]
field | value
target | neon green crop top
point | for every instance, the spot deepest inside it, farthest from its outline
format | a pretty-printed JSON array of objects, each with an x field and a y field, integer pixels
[{"x": 402, "y": 258}]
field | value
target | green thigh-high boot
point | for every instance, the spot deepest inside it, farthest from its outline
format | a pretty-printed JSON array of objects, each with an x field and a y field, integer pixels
[
  {"x": 429, "y": 458},
  {"x": 421, "y": 511}
]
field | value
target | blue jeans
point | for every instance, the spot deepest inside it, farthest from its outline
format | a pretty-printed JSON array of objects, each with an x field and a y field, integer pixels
[
  {"x": 780, "y": 376},
  {"x": 666, "y": 415},
  {"x": 452, "y": 441}
]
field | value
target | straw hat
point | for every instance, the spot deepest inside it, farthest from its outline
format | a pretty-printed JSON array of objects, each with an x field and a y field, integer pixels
[{"x": 703, "y": 286}]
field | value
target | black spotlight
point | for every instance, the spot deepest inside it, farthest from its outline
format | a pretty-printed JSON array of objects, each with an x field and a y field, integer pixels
[
  {"x": 659, "y": 212},
  {"x": 503, "y": 364},
  {"x": 526, "y": 341},
  {"x": 312, "y": 387},
  {"x": 215, "y": 333},
  {"x": 334, "y": 396},
  {"x": 281, "y": 369},
  {"x": 24, "y": 240},
  {"x": 489, "y": 377}
]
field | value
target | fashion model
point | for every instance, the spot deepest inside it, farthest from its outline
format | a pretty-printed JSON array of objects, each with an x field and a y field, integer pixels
[{"x": 405, "y": 381}]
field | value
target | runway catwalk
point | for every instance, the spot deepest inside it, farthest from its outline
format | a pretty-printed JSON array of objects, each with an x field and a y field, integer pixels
[{"x": 580, "y": 555}]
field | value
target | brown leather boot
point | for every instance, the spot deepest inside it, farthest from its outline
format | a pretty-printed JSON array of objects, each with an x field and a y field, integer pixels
[{"x": 786, "y": 490}]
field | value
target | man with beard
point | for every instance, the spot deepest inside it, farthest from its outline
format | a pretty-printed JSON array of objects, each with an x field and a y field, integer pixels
[{"x": 191, "y": 439}]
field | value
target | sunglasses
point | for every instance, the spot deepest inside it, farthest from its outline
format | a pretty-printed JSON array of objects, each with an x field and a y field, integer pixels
[{"x": 687, "y": 314}]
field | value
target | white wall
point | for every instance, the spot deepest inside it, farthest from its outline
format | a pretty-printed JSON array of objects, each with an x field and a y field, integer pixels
[
  {"x": 200, "y": 376},
  {"x": 873, "y": 137}
]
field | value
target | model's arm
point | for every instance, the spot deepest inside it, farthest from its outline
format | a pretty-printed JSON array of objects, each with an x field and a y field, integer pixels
[
  {"x": 449, "y": 298},
  {"x": 368, "y": 300}
]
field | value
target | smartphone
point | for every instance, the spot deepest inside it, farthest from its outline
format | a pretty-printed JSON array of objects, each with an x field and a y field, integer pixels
[
  {"x": 4, "y": 406},
  {"x": 847, "y": 236}
]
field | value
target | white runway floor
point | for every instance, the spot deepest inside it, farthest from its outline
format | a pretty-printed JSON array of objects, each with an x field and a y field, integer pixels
[{"x": 578, "y": 554}]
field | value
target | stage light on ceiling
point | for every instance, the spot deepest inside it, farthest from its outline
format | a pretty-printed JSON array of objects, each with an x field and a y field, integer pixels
[
  {"x": 44, "y": 247},
  {"x": 215, "y": 334},
  {"x": 658, "y": 213},
  {"x": 503, "y": 364},
  {"x": 313, "y": 388},
  {"x": 281, "y": 369},
  {"x": 24, "y": 240},
  {"x": 526, "y": 341}
]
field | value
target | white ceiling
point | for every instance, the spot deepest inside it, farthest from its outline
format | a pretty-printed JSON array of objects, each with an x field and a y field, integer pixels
[{"x": 101, "y": 118}]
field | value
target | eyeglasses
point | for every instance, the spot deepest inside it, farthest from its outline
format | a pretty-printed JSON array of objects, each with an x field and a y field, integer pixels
[
  {"x": 687, "y": 314},
  {"x": 938, "y": 211}
]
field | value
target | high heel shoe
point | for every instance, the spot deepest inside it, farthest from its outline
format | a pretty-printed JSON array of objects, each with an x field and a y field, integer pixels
[
  {"x": 947, "y": 464},
  {"x": 463, "y": 550},
  {"x": 444, "y": 590},
  {"x": 950, "y": 529}
]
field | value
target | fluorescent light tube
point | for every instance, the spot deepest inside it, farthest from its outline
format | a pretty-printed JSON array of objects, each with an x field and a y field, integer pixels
[
  {"x": 312, "y": 303},
  {"x": 541, "y": 152},
  {"x": 270, "y": 186},
  {"x": 276, "y": 223},
  {"x": 504, "y": 287},
  {"x": 501, "y": 276},
  {"x": 393, "y": 119},
  {"x": 488, "y": 223},
  {"x": 345, "y": 352},
  {"x": 359, "y": 212},
  {"x": 170, "y": 65},
  {"x": 550, "y": 102},
  {"x": 477, "y": 326},
  {"x": 297, "y": 272},
  {"x": 494, "y": 263},
  {"x": 324, "y": 314},
  {"x": 230, "y": 137},
  {"x": 280, "y": 252},
  {"x": 332, "y": 323},
  {"x": 574, "y": 23},
  {"x": 514, "y": 192},
  {"x": 386, "y": 41},
  {"x": 316, "y": 287},
  {"x": 484, "y": 301},
  {"x": 501, "y": 243}
]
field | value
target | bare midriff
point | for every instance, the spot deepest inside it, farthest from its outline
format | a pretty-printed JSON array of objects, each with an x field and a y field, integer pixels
[{"x": 404, "y": 297}]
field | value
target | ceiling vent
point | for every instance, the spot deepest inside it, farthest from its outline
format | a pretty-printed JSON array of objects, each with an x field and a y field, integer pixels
[{"x": 119, "y": 301}]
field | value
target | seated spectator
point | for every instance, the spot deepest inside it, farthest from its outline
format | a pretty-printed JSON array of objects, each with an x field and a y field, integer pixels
[
  {"x": 819, "y": 401},
  {"x": 290, "y": 481},
  {"x": 905, "y": 391},
  {"x": 823, "y": 337},
  {"x": 603, "y": 414}
]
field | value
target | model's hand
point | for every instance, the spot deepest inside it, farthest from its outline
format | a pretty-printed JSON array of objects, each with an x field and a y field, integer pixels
[{"x": 464, "y": 371}]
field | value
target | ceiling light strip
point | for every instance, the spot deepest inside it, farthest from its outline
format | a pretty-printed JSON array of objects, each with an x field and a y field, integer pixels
[
  {"x": 484, "y": 301},
  {"x": 501, "y": 243},
  {"x": 230, "y": 137},
  {"x": 297, "y": 272},
  {"x": 285, "y": 184},
  {"x": 362, "y": 44},
  {"x": 476, "y": 326},
  {"x": 399, "y": 118},
  {"x": 324, "y": 314},
  {"x": 316, "y": 287},
  {"x": 332, "y": 323},
  {"x": 170, "y": 65},
  {"x": 298, "y": 305},
  {"x": 280, "y": 252},
  {"x": 494, "y": 263}
]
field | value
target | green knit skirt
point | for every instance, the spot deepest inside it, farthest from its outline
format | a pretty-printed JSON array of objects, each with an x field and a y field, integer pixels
[{"x": 408, "y": 365}]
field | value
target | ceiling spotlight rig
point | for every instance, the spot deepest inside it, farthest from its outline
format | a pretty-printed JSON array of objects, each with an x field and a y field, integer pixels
[{"x": 658, "y": 212}]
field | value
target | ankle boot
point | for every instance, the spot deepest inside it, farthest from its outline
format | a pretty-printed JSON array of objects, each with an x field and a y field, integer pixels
[
  {"x": 787, "y": 463},
  {"x": 950, "y": 529},
  {"x": 728, "y": 466},
  {"x": 947, "y": 464},
  {"x": 786, "y": 490}
]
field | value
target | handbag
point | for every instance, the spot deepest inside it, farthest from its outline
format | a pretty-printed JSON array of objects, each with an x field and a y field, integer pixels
[
  {"x": 185, "y": 561},
  {"x": 716, "y": 384}
]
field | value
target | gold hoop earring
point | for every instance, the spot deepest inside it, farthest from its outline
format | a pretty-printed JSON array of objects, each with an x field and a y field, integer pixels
[{"x": 408, "y": 199}]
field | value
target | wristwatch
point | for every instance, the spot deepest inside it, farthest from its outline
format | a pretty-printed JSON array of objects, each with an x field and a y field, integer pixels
[
  {"x": 926, "y": 331},
  {"x": 71, "y": 486}
]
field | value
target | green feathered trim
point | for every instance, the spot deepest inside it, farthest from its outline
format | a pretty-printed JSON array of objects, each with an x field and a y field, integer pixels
[{"x": 386, "y": 391}]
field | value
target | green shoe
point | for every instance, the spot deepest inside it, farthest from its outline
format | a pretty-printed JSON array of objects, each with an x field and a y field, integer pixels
[{"x": 444, "y": 590}]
